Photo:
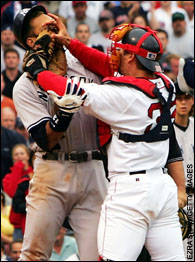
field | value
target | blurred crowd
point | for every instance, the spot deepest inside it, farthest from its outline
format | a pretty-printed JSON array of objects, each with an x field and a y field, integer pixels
[{"x": 90, "y": 22}]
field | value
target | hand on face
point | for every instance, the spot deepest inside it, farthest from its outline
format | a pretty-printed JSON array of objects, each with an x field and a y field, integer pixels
[{"x": 62, "y": 36}]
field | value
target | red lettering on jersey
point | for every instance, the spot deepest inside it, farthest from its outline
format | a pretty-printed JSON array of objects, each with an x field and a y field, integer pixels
[
  {"x": 158, "y": 106},
  {"x": 152, "y": 108}
]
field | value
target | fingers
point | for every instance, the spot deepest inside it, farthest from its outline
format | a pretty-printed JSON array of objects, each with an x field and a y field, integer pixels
[
  {"x": 58, "y": 21},
  {"x": 55, "y": 17},
  {"x": 72, "y": 86}
]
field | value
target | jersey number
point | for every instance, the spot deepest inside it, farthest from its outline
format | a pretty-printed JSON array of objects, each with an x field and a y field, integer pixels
[{"x": 157, "y": 106}]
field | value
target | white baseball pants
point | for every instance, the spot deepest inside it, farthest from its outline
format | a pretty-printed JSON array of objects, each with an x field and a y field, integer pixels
[{"x": 141, "y": 209}]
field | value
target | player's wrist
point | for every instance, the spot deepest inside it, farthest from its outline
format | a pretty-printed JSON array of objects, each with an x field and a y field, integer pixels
[
  {"x": 35, "y": 65},
  {"x": 60, "y": 121}
]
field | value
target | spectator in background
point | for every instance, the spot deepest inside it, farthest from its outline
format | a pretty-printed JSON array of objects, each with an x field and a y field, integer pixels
[
  {"x": 51, "y": 6},
  {"x": 136, "y": 9},
  {"x": 139, "y": 20},
  {"x": 184, "y": 130},
  {"x": 3, "y": 255},
  {"x": 8, "y": 118},
  {"x": 11, "y": 10},
  {"x": 11, "y": 182},
  {"x": 173, "y": 61},
  {"x": 106, "y": 24},
  {"x": 7, "y": 42},
  {"x": 188, "y": 6},
  {"x": 15, "y": 248},
  {"x": 161, "y": 17},
  {"x": 6, "y": 101},
  {"x": 11, "y": 73},
  {"x": 19, "y": 198},
  {"x": 80, "y": 8},
  {"x": 181, "y": 40},
  {"x": 93, "y": 9},
  {"x": 9, "y": 139},
  {"x": 168, "y": 71},
  {"x": 164, "y": 38},
  {"x": 7, "y": 228},
  {"x": 64, "y": 247},
  {"x": 83, "y": 33},
  {"x": 125, "y": 10},
  {"x": 19, "y": 128}
]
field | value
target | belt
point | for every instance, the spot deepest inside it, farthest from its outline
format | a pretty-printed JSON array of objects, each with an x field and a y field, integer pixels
[
  {"x": 190, "y": 190},
  {"x": 75, "y": 157},
  {"x": 143, "y": 172}
]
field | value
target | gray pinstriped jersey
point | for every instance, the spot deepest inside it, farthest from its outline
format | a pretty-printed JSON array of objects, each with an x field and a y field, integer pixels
[
  {"x": 33, "y": 106},
  {"x": 186, "y": 143}
]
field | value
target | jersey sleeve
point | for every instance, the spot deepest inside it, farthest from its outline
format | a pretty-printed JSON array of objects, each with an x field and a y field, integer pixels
[
  {"x": 93, "y": 59},
  {"x": 31, "y": 103}
]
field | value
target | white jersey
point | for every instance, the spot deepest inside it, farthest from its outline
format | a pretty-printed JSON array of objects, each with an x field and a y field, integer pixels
[
  {"x": 186, "y": 142},
  {"x": 127, "y": 110},
  {"x": 34, "y": 105}
]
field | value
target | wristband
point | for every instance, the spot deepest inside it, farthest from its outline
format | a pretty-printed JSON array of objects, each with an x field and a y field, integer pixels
[{"x": 60, "y": 121}]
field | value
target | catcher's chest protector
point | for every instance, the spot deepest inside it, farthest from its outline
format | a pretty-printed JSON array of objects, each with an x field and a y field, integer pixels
[{"x": 162, "y": 130}]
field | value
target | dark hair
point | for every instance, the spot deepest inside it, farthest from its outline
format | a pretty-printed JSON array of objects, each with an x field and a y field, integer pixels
[
  {"x": 27, "y": 27},
  {"x": 76, "y": 30},
  {"x": 11, "y": 50},
  {"x": 159, "y": 30},
  {"x": 15, "y": 241}
]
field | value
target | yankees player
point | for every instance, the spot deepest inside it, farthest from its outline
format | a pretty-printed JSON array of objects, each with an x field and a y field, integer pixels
[
  {"x": 184, "y": 129},
  {"x": 69, "y": 177},
  {"x": 141, "y": 204}
]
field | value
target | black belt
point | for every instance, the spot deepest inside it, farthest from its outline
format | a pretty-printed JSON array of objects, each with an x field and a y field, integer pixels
[
  {"x": 138, "y": 172},
  {"x": 143, "y": 172},
  {"x": 74, "y": 156},
  {"x": 190, "y": 190}
]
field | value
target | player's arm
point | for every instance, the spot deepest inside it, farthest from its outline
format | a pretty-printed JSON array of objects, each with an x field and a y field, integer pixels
[
  {"x": 45, "y": 136},
  {"x": 175, "y": 168},
  {"x": 176, "y": 171},
  {"x": 94, "y": 60},
  {"x": 45, "y": 130}
]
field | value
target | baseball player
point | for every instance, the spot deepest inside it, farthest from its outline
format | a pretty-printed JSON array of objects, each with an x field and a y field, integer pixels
[
  {"x": 141, "y": 204},
  {"x": 184, "y": 129},
  {"x": 69, "y": 178}
]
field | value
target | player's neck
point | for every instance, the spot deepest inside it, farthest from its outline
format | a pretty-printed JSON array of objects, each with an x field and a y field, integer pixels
[{"x": 181, "y": 120}]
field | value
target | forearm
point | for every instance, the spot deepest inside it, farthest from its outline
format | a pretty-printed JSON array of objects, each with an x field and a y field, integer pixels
[
  {"x": 52, "y": 137},
  {"x": 176, "y": 171},
  {"x": 93, "y": 59},
  {"x": 50, "y": 81},
  {"x": 47, "y": 134}
]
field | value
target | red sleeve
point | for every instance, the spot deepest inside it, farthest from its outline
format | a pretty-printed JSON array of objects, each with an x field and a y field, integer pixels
[
  {"x": 11, "y": 179},
  {"x": 93, "y": 59},
  {"x": 50, "y": 81}
]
